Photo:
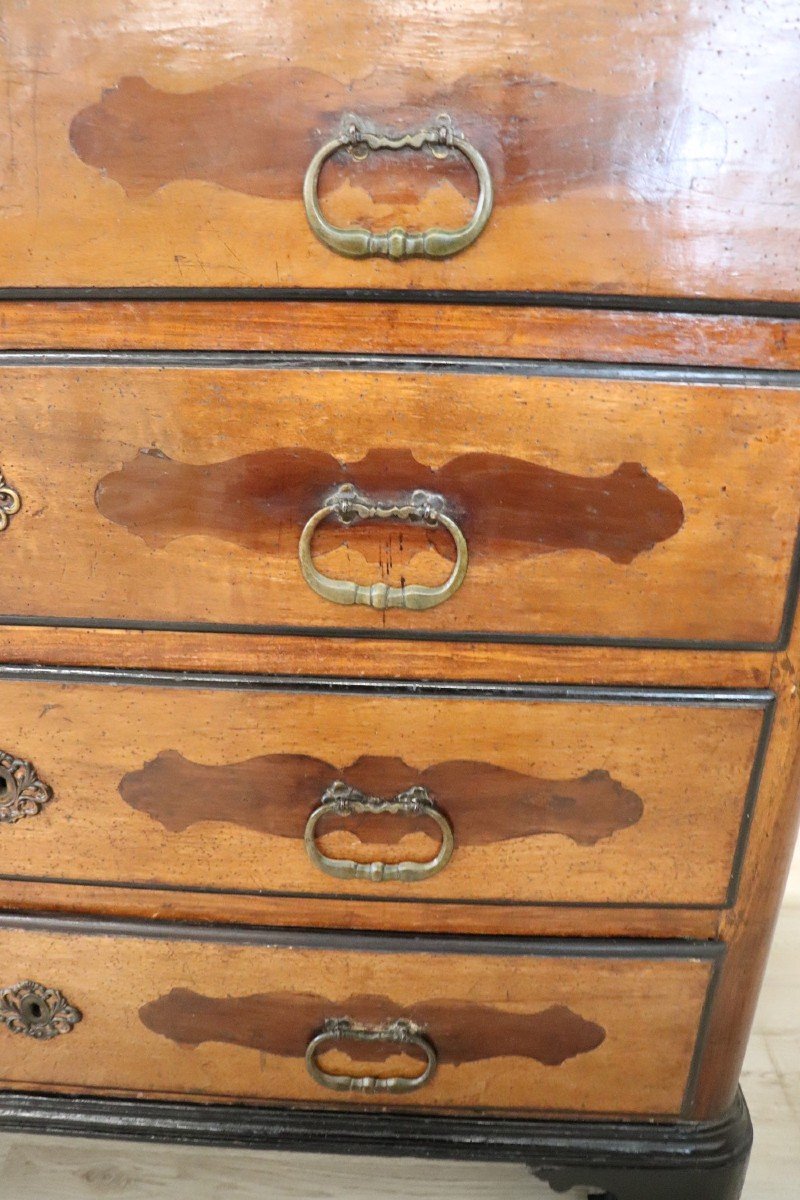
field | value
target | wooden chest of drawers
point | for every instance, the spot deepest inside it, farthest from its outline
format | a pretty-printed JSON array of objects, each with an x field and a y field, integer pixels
[{"x": 399, "y": 498}]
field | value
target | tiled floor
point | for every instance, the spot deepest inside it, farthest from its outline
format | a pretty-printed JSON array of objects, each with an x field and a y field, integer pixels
[{"x": 70, "y": 1169}]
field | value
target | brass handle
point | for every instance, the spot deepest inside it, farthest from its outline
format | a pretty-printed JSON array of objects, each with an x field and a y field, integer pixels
[
  {"x": 37, "y": 1011},
  {"x": 345, "y": 801},
  {"x": 348, "y": 506},
  {"x": 398, "y": 243},
  {"x": 400, "y": 1032},
  {"x": 10, "y": 502}
]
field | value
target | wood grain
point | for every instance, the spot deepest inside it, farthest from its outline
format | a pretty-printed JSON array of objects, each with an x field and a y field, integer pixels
[
  {"x": 649, "y": 1010},
  {"x": 361, "y": 658},
  {"x": 609, "y": 131},
  {"x": 748, "y": 928},
  {"x": 119, "y": 817},
  {"x": 328, "y": 912},
  {"x": 505, "y": 506},
  {"x": 490, "y": 803},
  {"x": 476, "y": 330},
  {"x": 724, "y": 451},
  {"x": 282, "y": 1024}
]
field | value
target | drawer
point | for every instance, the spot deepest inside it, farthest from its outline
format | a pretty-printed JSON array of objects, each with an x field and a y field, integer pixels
[
  {"x": 508, "y": 796},
  {"x": 159, "y": 1010},
  {"x": 529, "y": 503},
  {"x": 151, "y": 153}
]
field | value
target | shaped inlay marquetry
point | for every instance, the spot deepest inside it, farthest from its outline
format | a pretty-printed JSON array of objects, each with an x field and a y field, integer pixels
[
  {"x": 541, "y": 137},
  {"x": 274, "y": 794},
  {"x": 506, "y": 507},
  {"x": 283, "y": 1023}
]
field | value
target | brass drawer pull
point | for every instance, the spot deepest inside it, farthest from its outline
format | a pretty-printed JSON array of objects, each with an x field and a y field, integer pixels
[
  {"x": 22, "y": 792},
  {"x": 398, "y": 243},
  {"x": 348, "y": 506},
  {"x": 346, "y": 801},
  {"x": 10, "y": 502},
  {"x": 37, "y": 1011},
  {"x": 399, "y": 1032}
]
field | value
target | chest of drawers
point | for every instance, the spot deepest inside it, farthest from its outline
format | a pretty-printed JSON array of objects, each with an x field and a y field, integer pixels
[{"x": 399, "y": 495}]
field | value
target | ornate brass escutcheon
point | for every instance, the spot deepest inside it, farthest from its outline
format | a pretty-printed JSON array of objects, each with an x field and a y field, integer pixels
[
  {"x": 398, "y": 243},
  {"x": 399, "y": 1032},
  {"x": 22, "y": 792},
  {"x": 348, "y": 506},
  {"x": 37, "y": 1011},
  {"x": 346, "y": 801},
  {"x": 10, "y": 502}
]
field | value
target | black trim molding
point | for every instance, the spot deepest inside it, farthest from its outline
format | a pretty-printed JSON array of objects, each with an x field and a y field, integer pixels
[
  {"x": 594, "y": 301},
  {"x": 368, "y": 943},
  {"x": 624, "y": 1160}
]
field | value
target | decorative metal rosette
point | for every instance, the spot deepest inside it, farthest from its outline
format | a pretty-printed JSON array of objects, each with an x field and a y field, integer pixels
[
  {"x": 22, "y": 792},
  {"x": 36, "y": 1011}
]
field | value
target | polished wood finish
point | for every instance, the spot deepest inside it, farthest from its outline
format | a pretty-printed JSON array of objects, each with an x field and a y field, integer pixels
[
  {"x": 583, "y": 800},
  {"x": 586, "y": 518},
  {"x": 475, "y": 330},
  {"x": 601, "y": 1033},
  {"x": 631, "y": 516},
  {"x": 168, "y": 148},
  {"x": 227, "y": 908},
  {"x": 361, "y": 658},
  {"x": 747, "y": 929}
]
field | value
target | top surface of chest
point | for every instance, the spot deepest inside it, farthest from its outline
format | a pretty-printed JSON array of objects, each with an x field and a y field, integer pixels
[{"x": 631, "y": 150}]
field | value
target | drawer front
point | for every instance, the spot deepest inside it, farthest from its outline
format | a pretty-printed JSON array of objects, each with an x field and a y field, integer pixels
[
  {"x": 520, "y": 796},
  {"x": 533, "y": 1026},
  {"x": 572, "y": 505},
  {"x": 145, "y": 153}
]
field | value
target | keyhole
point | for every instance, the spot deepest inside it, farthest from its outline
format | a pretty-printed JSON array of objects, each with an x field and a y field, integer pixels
[{"x": 32, "y": 1010}]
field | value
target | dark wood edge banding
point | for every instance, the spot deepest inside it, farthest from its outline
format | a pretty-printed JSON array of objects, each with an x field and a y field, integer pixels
[
  {"x": 185, "y": 360},
  {"x": 598, "y": 693},
  {"x": 593, "y": 301},
  {"x": 368, "y": 943},
  {"x": 753, "y": 789}
]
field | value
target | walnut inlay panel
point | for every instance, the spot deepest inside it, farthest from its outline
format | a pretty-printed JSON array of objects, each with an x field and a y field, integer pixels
[
  {"x": 274, "y": 794},
  {"x": 257, "y": 133},
  {"x": 283, "y": 1024},
  {"x": 505, "y": 506}
]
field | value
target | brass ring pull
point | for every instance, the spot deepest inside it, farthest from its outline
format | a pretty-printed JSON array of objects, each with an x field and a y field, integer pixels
[
  {"x": 10, "y": 502},
  {"x": 398, "y": 243},
  {"x": 345, "y": 801},
  {"x": 400, "y": 1032},
  {"x": 349, "y": 506}
]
